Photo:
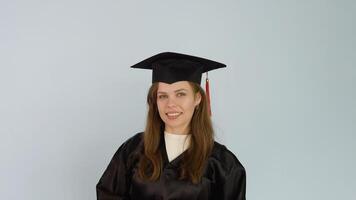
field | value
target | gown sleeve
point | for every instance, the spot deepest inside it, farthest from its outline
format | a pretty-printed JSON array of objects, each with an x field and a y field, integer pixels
[
  {"x": 114, "y": 183},
  {"x": 230, "y": 176},
  {"x": 234, "y": 184}
]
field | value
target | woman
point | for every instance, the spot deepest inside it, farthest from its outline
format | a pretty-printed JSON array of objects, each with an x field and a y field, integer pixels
[{"x": 176, "y": 156}]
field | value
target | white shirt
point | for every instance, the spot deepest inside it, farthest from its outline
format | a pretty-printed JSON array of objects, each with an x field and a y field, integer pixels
[{"x": 176, "y": 144}]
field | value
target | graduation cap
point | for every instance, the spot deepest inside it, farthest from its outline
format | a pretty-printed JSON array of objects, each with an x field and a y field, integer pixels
[{"x": 170, "y": 67}]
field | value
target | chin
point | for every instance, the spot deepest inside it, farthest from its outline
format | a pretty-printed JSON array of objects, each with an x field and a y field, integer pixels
[{"x": 173, "y": 124}]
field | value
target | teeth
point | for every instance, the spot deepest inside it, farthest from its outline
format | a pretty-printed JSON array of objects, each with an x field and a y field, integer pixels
[{"x": 173, "y": 114}]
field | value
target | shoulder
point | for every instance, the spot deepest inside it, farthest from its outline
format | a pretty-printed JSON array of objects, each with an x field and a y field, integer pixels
[
  {"x": 130, "y": 147},
  {"x": 134, "y": 140},
  {"x": 227, "y": 173},
  {"x": 222, "y": 156}
]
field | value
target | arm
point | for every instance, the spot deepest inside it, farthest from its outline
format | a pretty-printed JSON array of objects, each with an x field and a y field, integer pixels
[
  {"x": 234, "y": 186},
  {"x": 113, "y": 185},
  {"x": 229, "y": 176}
]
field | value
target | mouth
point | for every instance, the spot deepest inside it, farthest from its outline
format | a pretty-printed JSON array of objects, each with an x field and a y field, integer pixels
[{"x": 173, "y": 115}]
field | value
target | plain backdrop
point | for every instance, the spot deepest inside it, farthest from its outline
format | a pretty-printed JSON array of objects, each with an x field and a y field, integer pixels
[{"x": 285, "y": 105}]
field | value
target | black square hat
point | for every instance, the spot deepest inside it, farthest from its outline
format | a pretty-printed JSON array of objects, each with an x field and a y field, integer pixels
[{"x": 170, "y": 67}]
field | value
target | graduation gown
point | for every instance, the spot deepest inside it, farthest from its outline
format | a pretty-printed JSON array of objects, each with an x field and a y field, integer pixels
[{"x": 224, "y": 177}]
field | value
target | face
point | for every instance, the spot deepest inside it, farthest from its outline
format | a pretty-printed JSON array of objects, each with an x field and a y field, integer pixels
[{"x": 176, "y": 103}]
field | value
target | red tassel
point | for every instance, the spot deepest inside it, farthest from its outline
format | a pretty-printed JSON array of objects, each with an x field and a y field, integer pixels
[{"x": 207, "y": 90}]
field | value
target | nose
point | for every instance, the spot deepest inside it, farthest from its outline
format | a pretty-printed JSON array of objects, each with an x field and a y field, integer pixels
[{"x": 171, "y": 102}]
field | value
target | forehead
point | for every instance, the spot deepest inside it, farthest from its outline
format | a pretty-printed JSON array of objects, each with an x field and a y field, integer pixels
[{"x": 165, "y": 87}]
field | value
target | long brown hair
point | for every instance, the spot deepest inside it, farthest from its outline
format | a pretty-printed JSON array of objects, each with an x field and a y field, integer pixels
[{"x": 201, "y": 143}]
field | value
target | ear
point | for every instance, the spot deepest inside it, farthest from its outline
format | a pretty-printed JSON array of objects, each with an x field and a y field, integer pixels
[{"x": 197, "y": 98}]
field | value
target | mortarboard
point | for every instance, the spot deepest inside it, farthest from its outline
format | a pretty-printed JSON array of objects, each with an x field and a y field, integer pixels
[{"x": 170, "y": 67}]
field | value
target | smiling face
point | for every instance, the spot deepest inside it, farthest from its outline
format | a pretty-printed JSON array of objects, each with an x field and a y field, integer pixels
[{"x": 176, "y": 103}]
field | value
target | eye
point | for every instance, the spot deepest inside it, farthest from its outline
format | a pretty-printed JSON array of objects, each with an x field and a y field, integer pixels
[
  {"x": 180, "y": 94},
  {"x": 163, "y": 96}
]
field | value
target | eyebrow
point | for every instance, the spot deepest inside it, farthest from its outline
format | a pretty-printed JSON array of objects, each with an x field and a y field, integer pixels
[{"x": 179, "y": 90}]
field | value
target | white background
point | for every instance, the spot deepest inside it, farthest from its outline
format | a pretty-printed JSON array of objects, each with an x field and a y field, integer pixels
[{"x": 285, "y": 105}]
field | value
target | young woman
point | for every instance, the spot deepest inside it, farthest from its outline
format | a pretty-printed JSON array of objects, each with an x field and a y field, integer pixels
[{"x": 176, "y": 156}]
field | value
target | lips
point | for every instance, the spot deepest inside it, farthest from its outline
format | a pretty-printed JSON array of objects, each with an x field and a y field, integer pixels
[{"x": 173, "y": 115}]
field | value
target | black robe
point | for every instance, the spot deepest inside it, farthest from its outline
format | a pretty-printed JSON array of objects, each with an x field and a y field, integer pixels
[{"x": 224, "y": 177}]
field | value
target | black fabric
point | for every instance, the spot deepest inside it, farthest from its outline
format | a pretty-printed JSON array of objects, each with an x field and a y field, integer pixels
[
  {"x": 224, "y": 177},
  {"x": 170, "y": 67}
]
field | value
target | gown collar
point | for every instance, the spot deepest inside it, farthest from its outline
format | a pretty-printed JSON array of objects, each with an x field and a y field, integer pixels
[{"x": 175, "y": 162}]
